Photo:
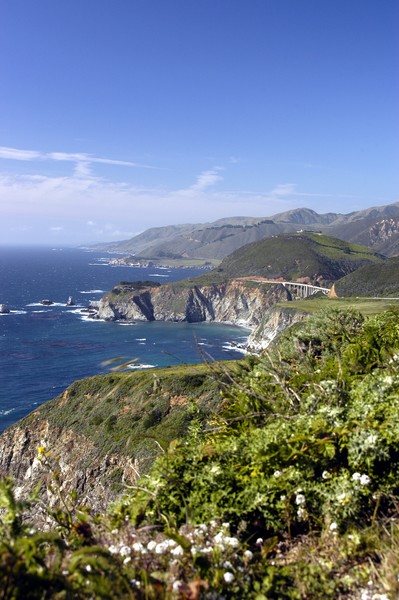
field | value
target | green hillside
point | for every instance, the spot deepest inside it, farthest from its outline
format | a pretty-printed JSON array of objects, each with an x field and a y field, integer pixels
[
  {"x": 289, "y": 492},
  {"x": 293, "y": 256},
  {"x": 375, "y": 280}
]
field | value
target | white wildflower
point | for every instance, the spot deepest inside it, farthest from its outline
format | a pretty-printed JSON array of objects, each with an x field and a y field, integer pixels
[
  {"x": 138, "y": 547},
  {"x": 356, "y": 476},
  {"x": 113, "y": 549},
  {"x": 151, "y": 545},
  {"x": 248, "y": 555},
  {"x": 126, "y": 560},
  {"x": 219, "y": 538},
  {"x": 125, "y": 551},
  {"x": 114, "y": 531},
  {"x": 300, "y": 499},
  {"x": 178, "y": 551},
  {"x": 227, "y": 565},
  {"x": 228, "y": 577},
  {"x": 364, "y": 480},
  {"x": 232, "y": 541},
  {"x": 176, "y": 585},
  {"x": 326, "y": 475},
  {"x": 88, "y": 568},
  {"x": 161, "y": 547},
  {"x": 301, "y": 512},
  {"x": 277, "y": 473},
  {"x": 333, "y": 526},
  {"x": 259, "y": 541}
]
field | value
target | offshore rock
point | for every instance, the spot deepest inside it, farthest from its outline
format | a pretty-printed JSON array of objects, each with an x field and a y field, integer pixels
[{"x": 4, "y": 310}]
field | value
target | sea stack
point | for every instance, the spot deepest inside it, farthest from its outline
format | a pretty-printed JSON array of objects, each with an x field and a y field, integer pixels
[
  {"x": 4, "y": 310},
  {"x": 70, "y": 301}
]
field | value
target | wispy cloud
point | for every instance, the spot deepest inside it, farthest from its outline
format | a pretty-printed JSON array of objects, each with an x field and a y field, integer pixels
[
  {"x": 81, "y": 159},
  {"x": 205, "y": 180}
]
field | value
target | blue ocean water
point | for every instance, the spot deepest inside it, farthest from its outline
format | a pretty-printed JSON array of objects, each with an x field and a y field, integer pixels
[{"x": 43, "y": 349}]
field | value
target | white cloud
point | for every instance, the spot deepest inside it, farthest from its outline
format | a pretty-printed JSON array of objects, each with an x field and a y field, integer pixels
[
  {"x": 81, "y": 159},
  {"x": 204, "y": 180}
]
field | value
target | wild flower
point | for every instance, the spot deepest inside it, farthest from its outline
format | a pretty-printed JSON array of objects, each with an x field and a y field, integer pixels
[
  {"x": 176, "y": 585},
  {"x": 138, "y": 547},
  {"x": 177, "y": 551},
  {"x": 301, "y": 512},
  {"x": 248, "y": 555},
  {"x": 277, "y": 473},
  {"x": 151, "y": 545},
  {"x": 88, "y": 568},
  {"x": 364, "y": 480},
  {"x": 259, "y": 541},
  {"x": 113, "y": 549},
  {"x": 333, "y": 526},
  {"x": 125, "y": 551},
  {"x": 228, "y": 577},
  {"x": 300, "y": 499},
  {"x": 326, "y": 475}
]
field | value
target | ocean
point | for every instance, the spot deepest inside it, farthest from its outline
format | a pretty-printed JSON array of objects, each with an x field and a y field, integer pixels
[{"x": 43, "y": 349}]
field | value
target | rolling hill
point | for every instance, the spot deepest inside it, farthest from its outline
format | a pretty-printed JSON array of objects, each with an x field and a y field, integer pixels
[
  {"x": 376, "y": 227},
  {"x": 374, "y": 280},
  {"x": 306, "y": 256}
]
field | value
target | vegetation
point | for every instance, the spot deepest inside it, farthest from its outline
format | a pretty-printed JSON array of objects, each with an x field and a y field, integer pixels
[
  {"x": 372, "y": 280},
  {"x": 296, "y": 255},
  {"x": 288, "y": 490},
  {"x": 121, "y": 411}
]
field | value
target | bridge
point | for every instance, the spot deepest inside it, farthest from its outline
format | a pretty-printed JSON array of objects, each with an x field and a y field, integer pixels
[
  {"x": 301, "y": 290},
  {"x": 304, "y": 290}
]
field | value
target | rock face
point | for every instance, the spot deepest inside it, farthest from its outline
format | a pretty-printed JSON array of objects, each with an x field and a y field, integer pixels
[
  {"x": 80, "y": 466},
  {"x": 237, "y": 302}
]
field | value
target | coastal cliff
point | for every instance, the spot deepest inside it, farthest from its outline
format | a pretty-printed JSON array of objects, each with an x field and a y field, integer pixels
[
  {"x": 238, "y": 302},
  {"x": 102, "y": 433}
]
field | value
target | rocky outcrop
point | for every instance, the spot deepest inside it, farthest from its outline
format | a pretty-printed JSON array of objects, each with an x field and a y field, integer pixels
[
  {"x": 238, "y": 302},
  {"x": 80, "y": 466},
  {"x": 274, "y": 322}
]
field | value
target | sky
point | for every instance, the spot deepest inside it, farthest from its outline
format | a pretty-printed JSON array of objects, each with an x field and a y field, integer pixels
[{"x": 117, "y": 116}]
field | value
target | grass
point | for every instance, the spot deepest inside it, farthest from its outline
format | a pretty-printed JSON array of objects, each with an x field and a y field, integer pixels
[{"x": 367, "y": 306}]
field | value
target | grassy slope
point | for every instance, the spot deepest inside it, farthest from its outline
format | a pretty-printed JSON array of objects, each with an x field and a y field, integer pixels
[
  {"x": 120, "y": 412},
  {"x": 372, "y": 280},
  {"x": 293, "y": 256}
]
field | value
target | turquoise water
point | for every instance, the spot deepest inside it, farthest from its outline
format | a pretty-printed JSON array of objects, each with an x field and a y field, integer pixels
[{"x": 44, "y": 348}]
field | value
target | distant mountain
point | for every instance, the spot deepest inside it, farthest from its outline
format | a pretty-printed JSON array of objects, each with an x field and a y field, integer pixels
[
  {"x": 376, "y": 227},
  {"x": 306, "y": 256},
  {"x": 375, "y": 280}
]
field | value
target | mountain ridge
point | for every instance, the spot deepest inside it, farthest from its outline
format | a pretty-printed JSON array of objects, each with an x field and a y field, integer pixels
[{"x": 220, "y": 238}]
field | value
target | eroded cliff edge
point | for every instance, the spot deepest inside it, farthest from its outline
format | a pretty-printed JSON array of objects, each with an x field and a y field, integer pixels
[{"x": 237, "y": 302}]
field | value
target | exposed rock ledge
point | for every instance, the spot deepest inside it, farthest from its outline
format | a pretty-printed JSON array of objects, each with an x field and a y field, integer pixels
[{"x": 237, "y": 302}]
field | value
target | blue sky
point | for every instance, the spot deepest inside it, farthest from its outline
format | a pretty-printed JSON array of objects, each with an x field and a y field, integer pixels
[{"x": 118, "y": 116}]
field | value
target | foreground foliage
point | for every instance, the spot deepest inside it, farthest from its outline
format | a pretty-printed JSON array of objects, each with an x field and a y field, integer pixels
[{"x": 290, "y": 490}]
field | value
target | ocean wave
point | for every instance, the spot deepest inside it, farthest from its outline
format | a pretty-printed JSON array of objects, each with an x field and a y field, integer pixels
[
  {"x": 5, "y": 412},
  {"x": 53, "y": 304},
  {"x": 13, "y": 312},
  {"x": 141, "y": 339},
  {"x": 157, "y": 275},
  {"x": 140, "y": 366},
  {"x": 126, "y": 324},
  {"x": 92, "y": 292},
  {"x": 235, "y": 347}
]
